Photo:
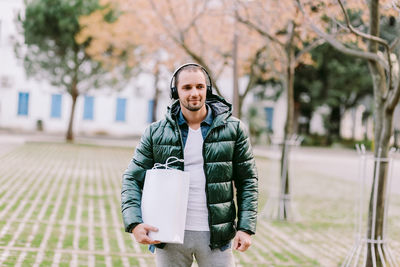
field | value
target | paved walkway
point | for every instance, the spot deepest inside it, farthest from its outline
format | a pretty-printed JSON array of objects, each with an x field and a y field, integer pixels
[
  {"x": 60, "y": 205},
  {"x": 339, "y": 163},
  {"x": 16, "y": 138}
]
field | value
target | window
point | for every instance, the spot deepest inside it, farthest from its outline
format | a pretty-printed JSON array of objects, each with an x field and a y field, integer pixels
[
  {"x": 88, "y": 108},
  {"x": 269, "y": 112},
  {"x": 55, "y": 106},
  {"x": 121, "y": 108},
  {"x": 1, "y": 32},
  {"x": 23, "y": 104},
  {"x": 150, "y": 111}
]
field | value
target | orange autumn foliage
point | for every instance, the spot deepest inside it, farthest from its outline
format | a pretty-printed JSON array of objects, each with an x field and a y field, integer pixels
[{"x": 174, "y": 31}]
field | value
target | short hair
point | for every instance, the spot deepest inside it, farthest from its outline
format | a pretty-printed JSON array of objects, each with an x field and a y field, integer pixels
[{"x": 190, "y": 68}]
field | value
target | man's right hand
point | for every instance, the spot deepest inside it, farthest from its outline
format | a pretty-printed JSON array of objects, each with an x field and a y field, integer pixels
[{"x": 140, "y": 232}]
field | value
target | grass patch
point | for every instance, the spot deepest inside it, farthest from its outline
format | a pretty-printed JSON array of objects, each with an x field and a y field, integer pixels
[
  {"x": 29, "y": 259},
  {"x": 11, "y": 259},
  {"x": 100, "y": 260},
  {"x": 54, "y": 237},
  {"x": 84, "y": 239},
  {"x": 9, "y": 234},
  {"x": 280, "y": 256},
  {"x": 82, "y": 260},
  {"x": 133, "y": 261},
  {"x": 98, "y": 239},
  {"x": 22, "y": 240},
  {"x": 48, "y": 212},
  {"x": 3, "y": 206},
  {"x": 65, "y": 260},
  {"x": 69, "y": 238},
  {"x": 116, "y": 261},
  {"x": 113, "y": 239},
  {"x": 72, "y": 214},
  {"x": 48, "y": 258}
]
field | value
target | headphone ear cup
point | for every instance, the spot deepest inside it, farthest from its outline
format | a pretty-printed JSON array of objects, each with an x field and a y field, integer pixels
[
  {"x": 174, "y": 93},
  {"x": 209, "y": 90}
]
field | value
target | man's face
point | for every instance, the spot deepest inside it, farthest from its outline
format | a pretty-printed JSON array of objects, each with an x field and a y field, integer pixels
[{"x": 192, "y": 89}]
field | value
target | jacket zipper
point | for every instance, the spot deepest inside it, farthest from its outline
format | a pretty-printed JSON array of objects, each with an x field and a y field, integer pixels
[
  {"x": 182, "y": 147},
  {"x": 205, "y": 174}
]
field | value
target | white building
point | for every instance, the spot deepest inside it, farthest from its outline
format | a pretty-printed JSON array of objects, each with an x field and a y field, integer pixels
[{"x": 25, "y": 103}]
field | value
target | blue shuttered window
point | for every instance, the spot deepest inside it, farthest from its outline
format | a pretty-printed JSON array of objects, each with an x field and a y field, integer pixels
[
  {"x": 121, "y": 109},
  {"x": 150, "y": 111},
  {"x": 23, "y": 104},
  {"x": 269, "y": 112},
  {"x": 88, "y": 108},
  {"x": 56, "y": 106}
]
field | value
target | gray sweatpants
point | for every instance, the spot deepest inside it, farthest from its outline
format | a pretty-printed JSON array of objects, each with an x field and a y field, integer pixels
[{"x": 195, "y": 244}]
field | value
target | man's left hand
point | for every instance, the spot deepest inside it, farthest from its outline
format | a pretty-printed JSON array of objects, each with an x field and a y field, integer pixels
[{"x": 242, "y": 241}]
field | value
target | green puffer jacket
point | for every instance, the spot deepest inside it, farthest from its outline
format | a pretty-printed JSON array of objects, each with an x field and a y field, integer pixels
[{"x": 228, "y": 162}]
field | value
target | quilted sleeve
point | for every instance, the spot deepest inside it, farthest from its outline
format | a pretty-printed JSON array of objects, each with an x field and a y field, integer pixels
[{"x": 246, "y": 182}]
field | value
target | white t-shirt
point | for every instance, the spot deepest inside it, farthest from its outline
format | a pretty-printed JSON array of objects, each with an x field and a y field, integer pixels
[{"x": 197, "y": 213}]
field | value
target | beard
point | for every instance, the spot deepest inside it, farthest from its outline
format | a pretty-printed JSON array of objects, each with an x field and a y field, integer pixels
[{"x": 192, "y": 107}]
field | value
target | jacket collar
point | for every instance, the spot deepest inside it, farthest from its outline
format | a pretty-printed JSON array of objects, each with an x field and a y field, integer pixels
[{"x": 208, "y": 119}]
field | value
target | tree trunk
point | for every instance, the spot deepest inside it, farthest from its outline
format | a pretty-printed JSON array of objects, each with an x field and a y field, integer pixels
[
  {"x": 354, "y": 120},
  {"x": 383, "y": 119},
  {"x": 334, "y": 124},
  {"x": 240, "y": 105},
  {"x": 377, "y": 203},
  {"x": 74, "y": 94},
  {"x": 156, "y": 94},
  {"x": 296, "y": 116},
  {"x": 236, "y": 96},
  {"x": 383, "y": 127},
  {"x": 284, "y": 199},
  {"x": 284, "y": 203}
]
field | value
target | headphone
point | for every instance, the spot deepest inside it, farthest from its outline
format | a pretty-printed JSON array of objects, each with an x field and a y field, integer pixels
[{"x": 174, "y": 90}]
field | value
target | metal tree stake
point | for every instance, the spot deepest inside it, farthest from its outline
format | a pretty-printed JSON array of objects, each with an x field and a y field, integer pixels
[
  {"x": 358, "y": 254},
  {"x": 274, "y": 208}
]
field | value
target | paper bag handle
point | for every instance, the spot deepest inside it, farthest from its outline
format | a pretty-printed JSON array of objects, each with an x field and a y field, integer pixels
[{"x": 165, "y": 166}]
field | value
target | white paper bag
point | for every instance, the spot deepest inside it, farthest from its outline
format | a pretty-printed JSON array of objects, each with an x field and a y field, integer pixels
[{"x": 164, "y": 203}]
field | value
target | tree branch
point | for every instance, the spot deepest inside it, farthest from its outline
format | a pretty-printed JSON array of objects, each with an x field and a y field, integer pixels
[
  {"x": 171, "y": 11},
  {"x": 370, "y": 38},
  {"x": 359, "y": 33},
  {"x": 219, "y": 73},
  {"x": 194, "y": 20},
  {"x": 340, "y": 46},
  {"x": 308, "y": 48},
  {"x": 292, "y": 32},
  {"x": 164, "y": 22},
  {"x": 259, "y": 30},
  {"x": 252, "y": 74},
  {"x": 393, "y": 99},
  {"x": 394, "y": 44}
]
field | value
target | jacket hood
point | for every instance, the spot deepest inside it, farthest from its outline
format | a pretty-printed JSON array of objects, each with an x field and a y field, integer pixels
[{"x": 218, "y": 105}]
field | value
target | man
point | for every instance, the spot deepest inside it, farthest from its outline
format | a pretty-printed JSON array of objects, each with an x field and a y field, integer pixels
[{"x": 216, "y": 150}]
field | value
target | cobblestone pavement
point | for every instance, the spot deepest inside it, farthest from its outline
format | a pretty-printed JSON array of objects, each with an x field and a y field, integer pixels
[{"x": 60, "y": 206}]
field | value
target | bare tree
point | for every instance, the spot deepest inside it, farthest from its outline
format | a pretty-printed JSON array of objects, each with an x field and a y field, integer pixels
[
  {"x": 280, "y": 23},
  {"x": 386, "y": 97},
  {"x": 200, "y": 31}
]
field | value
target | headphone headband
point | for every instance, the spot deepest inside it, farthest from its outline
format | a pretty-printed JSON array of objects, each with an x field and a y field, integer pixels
[{"x": 174, "y": 90}]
